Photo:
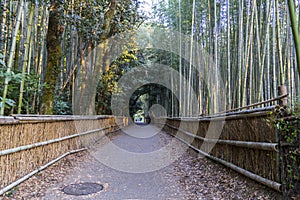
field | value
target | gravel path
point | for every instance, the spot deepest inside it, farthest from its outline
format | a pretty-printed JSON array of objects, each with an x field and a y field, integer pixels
[{"x": 188, "y": 177}]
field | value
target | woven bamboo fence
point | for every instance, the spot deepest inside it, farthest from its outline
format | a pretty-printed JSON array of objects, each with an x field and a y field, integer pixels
[
  {"x": 29, "y": 142},
  {"x": 247, "y": 143}
]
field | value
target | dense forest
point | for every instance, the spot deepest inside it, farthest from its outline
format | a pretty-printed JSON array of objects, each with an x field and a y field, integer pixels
[{"x": 50, "y": 49}]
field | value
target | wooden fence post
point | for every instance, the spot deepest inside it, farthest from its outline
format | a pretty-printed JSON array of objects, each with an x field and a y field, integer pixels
[{"x": 282, "y": 90}]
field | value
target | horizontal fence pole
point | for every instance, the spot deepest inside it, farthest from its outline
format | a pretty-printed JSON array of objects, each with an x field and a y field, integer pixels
[
  {"x": 264, "y": 181},
  {"x": 225, "y": 117},
  {"x": 26, "y": 147},
  {"x": 15, "y": 119},
  {"x": 43, "y": 118},
  {"x": 24, "y": 178},
  {"x": 246, "y": 144},
  {"x": 8, "y": 120},
  {"x": 240, "y": 115},
  {"x": 258, "y": 104}
]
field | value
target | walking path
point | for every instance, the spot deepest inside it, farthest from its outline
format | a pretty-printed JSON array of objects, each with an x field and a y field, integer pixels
[
  {"x": 138, "y": 163},
  {"x": 125, "y": 184}
]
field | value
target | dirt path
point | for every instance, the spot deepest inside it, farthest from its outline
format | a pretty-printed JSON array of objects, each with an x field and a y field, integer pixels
[{"x": 188, "y": 177}]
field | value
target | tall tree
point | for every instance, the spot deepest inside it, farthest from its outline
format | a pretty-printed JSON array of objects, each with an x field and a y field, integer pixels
[{"x": 54, "y": 56}]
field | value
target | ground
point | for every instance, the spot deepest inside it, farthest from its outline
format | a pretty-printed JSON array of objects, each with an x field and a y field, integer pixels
[{"x": 188, "y": 177}]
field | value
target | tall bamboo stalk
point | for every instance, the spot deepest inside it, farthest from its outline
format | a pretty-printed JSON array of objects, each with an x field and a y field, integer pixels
[
  {"x": 240, "y": 52},
  {"x": 274, "y": 50},
  {"x": 180, "y": 60},
  {"x": 294, "y": 25},
  {"x": 189, "y": 109},
  {"x": 3, "y": 29},
  {"x": 282, "y": 77},
  {"x": 26, "y": 56},
  {"x": 228, "y": 55},
  {"x": 11, "y": 56}
]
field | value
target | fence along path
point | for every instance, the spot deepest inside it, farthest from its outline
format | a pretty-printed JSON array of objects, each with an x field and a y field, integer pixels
[
  {"x": 31, "y": 143},
  {"x": 249, "y": 142}
]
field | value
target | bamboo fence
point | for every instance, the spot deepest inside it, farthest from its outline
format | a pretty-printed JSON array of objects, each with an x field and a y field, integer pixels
[
  {"x": 29, "y": 142},
  {"x": 246, "y": 139}
]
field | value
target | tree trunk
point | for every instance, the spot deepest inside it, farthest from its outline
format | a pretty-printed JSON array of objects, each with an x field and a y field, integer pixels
[{"x": 53, "y": 62}]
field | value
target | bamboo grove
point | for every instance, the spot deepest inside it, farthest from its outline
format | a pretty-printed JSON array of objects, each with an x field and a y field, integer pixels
[
  {"x": 44, "y": 48},
  {"x": 253, "y": 44}
]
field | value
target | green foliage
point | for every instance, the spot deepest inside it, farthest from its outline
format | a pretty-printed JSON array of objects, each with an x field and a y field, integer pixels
[
  {"x": 62, "y": 105},
  {"x": 89, "y": 17},
  {"x": 290, "y": 155},
  {"x": 30, "y": 87},
  {"x": 288, "y": 130},
  {"x": 11, "y": 192},
  {"x": 108, "y": 82},
  {"x": 12, "y": 93},
  {"x": 286, "y": 122},
  {"x": 296, "y": 107}
]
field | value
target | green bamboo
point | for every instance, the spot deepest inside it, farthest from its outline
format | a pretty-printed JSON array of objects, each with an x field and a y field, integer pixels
[
  {"x": 26, "y": 57},
  {"x": 294, "y": 25},
  {"x": 11, "y": 56}
]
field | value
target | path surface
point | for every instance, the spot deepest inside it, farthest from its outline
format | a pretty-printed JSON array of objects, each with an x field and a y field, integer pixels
[
  {"x": 123, "y": 183},
  {"x": 188, "y": 177}
]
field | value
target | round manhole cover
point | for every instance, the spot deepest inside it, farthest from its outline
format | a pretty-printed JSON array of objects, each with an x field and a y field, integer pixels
[{"x": 82, "y": 189}]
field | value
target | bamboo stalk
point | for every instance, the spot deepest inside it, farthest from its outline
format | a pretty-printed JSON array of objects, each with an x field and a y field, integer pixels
[
  {"x": 14, "y": 184},
  {"x": 247, "y": 144},
  {"x": 26, "y": 57}
]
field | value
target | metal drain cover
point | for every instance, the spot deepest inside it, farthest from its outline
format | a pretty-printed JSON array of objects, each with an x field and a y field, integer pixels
[{"x": 79, "y": 189}]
